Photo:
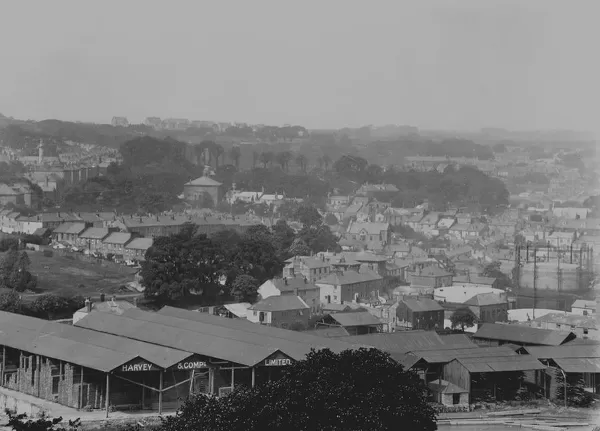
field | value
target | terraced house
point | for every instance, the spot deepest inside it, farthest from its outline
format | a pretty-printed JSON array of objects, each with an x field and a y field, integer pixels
[
  {"x": 91, "y": 239},
  {"x": 136, "y": 248},
  {"x": 115, "y": 243}
]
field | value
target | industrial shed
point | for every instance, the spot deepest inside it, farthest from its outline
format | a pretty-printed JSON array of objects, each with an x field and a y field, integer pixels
[
  {"x": 496, "y": 334},
  {"x": 81, "y": 368},
  {"x": 490, "y": 377},
  {"x": 573, "y": 362},
  {"x": 228, "y": 352}
]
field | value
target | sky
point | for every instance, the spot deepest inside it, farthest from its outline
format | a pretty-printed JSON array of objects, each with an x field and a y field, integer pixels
[{"x": 447, "y": 64}]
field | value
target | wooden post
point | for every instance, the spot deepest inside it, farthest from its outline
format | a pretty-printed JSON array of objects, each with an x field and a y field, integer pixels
[
  {"x": 253, "y": 376},
  {"x": 3, "y": 364},
  {"x": 211, "y": 380},
  {"x": 143, "y": 393},
  {"x": 160, "y": 393},
  {"x": 107, "y": 393},
  {"x": 38, "y": 368},
  {"x": 232, "y": 378},
  {"x": 192, "y": 382},
  {"x": 80, "y": 403}
]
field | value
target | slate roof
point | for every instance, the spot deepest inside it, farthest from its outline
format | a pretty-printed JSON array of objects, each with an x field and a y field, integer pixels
[
  {"x": 522, "y": 334},
  {"x": 357, "y": 318},
  {"x": 117, "y": 238},
  {"x": 423, "y": 304},
  {"x": 280, "y": 303},
  {"x": 70, "y": 228},
  {"x": 292, "y": 283},
  {"x": 371, "y": 228},
  {"x": 94, "y": 233},
  {"x": 483, "y": 299},
  {"x": 140, "y": 244},
  {"x": 349, "y": 277}
]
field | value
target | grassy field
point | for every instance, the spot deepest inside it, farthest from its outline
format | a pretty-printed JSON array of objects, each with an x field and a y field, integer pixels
[{"x": 69, "y": 277}]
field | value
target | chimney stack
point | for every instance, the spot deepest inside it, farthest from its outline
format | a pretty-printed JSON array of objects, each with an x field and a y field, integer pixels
[
  {"x": 296, "y": 292},
  {"x": 135, "y": 301},
  {"x": 88, "y": 305},
  {"x": 102, "y": 297}
]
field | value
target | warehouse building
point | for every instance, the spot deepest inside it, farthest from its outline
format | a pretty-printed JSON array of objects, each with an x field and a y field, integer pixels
[{"x": 141, "y": 360}]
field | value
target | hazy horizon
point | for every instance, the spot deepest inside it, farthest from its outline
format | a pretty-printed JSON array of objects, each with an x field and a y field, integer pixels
[{"x": 445, "y": 65}]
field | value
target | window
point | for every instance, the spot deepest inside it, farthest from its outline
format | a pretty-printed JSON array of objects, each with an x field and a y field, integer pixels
[
  {"x": 585, "y": 331},
  {"x": 455, "y": 399}
]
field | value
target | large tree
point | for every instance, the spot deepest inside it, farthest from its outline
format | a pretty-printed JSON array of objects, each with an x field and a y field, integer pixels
[
  {"x": 244, "y": 289},
  {"x": 463, "y": 318},
  {"x": 355, "y": 390},
  {"x": 178, "y": 264}
]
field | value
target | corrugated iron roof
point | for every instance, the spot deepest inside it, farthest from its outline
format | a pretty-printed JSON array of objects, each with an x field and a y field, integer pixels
[
  {"x": 239, "y": 352},
  {"x": 401, "y": 341},
  {"x": 523, "y": 334},
  {"x": 68, "y": 350},
  {"x": 564, "y": 351},
  {"x": 496, "y": 364},
  {"x": 283, "y": 341},
  {"x": 579, "y": 365},
  {"x": 442, "y": 356},
  {"x": 160, "y": 356},
  {"x": 446, "y": 387}
]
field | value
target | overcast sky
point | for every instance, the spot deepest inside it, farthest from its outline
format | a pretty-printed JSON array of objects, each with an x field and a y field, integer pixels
[{"x": 319, "y": 63}]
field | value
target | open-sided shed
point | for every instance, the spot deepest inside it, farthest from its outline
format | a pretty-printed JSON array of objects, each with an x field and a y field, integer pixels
[{"x": 489, "y": 376}]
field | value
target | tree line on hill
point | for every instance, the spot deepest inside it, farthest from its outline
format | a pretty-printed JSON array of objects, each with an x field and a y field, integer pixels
[
  {"x": 228, "y": 266},
  {"x": 154, "y": 171}
]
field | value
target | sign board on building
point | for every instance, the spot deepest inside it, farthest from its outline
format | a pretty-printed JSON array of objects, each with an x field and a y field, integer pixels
[
  {"x": 191, "y": 365},
  {"x": 195, "y": 362},
  {"x": 139, "y": 366},
  {"x": 277, "y": 360}
]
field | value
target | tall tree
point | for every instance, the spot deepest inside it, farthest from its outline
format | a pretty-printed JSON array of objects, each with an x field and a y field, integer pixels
[
  {"x": 354, "y": 390},
  {"x": 266, "y": 158},
  {"x": 235, "y": 155},
  {"x": 302, "y": 162},
  {"x": 283, "y": 158},
  {"x": 309, "y": 216},
  {"x": 244, "y": 288},
  {"x": 463, "y": 318},
  {"x": 255, "y": 158},
  {"x": 179, "y": 264},
  {"x": 218, "y": 152}
]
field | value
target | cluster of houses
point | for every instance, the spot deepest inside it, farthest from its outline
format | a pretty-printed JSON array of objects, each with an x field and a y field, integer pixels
[
  {"x": 370, "y": 223},
  {"x": 128, "y": 236}
]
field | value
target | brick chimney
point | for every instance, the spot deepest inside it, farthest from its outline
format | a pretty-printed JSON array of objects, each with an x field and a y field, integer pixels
[{"x": 88, "y": 305}]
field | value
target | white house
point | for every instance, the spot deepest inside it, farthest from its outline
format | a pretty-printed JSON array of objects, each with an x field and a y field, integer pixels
[{"x": 582, "y": 307}]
